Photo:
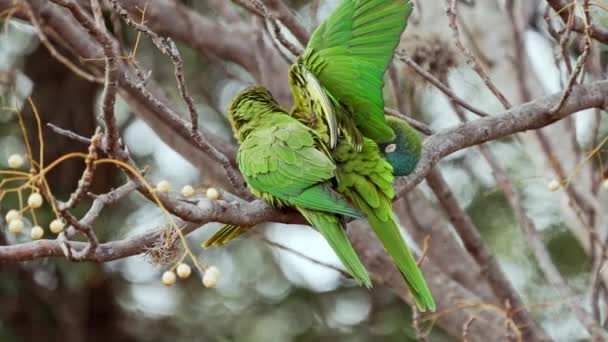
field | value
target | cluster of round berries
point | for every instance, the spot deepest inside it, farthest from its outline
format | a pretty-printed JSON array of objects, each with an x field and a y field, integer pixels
[
  {"x": 183, "y": 271},
  {"x": 211, "y": 273},
  {"x": 35, "y": 200},
  {"x": 187, "y": 190},
  {"x": 14, "y": 217},
  {"x": 15, "y": 222}
]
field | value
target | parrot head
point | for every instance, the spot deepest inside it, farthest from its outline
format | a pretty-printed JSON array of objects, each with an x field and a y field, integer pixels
[
  {"x": 403, "y": 152},
  {"x": 248, "y": 108}
]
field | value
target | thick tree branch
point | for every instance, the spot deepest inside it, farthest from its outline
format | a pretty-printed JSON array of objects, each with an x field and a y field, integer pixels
[{"x": 532, "y": 115}]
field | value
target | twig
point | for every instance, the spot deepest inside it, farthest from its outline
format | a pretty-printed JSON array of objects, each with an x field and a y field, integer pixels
[
  {"x": 437, "y": 83},
  {"x": 111, "y": 71},
  {"x": 87, "y": 231},
  {"x": 531, "y": 115},
  {"x": 167, "y": 47},
  {"x": 287, "y": 16},
  {"x": 470, "y": 58},
  {"x": 421, "y": 127},
  {"x": 581, "y": 59},
  {"x": 276, "y": 45},
  {"x": 396, "y": 88},
  {"x": 477, "y": 248},
  {"x": 598, "y": 32},
  {"x": 69, "y": 134},
  {"x": 100, "y": 201},
  {"x": 61, "y": 58},
  {"x": 87, "y": 175},
  {"x": 98, "y": 15},
  {"x": 520, "y": 60},
  {"x": 535, "y": 242},
  {"x": 304, "y": 256},
  {"x": 296, "y": 51},
  {"x": 236, "y": 180},
  {"x": 465, "y": 329}
]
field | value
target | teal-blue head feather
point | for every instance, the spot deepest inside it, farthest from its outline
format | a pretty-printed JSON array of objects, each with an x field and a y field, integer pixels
[{"x": 403, "y": 152}]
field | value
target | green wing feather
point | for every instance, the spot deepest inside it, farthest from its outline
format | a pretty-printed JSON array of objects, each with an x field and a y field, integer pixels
[
  {"x": 225, "y": 234},
  {"x": 366, "y": 179},
  {"x": 349, "y": 54},
  {"x": 282, "y": 163},
  {"x": 334, "y": 231}
]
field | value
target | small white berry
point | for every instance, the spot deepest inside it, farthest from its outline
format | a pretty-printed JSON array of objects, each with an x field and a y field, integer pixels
[
  {"x": 15, "y": 226},
  {"x": 56, "y": 226},
  {"x": 36, "y": 232},
  {"x": 605, "y": 184},
  {"x": 163, "y": 186},
  {"x": 553, "y": 185},
  {"x": 35, "y": 200},
  {"x": 212, "y": 194},
  {"x": 15, "y": 161},
  {"x": 187, "y": 191},
  {"x": 183, "y": 271},
  {"x": 12, "y": 215},
  {"x": 168, "y": 278},
  {"x": 211, "y": 276}
]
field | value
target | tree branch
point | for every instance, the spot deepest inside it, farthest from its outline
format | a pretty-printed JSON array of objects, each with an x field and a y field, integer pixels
[{"x": 532, "y": 115}]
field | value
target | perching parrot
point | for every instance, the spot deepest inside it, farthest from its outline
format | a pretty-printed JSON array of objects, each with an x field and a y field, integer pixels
[
  {"x": 340, "y": 74},
  {"x": 337, "y": 85},
  {"x": 288, "y": 164}
]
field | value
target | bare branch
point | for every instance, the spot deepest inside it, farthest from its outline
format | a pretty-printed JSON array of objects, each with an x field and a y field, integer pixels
[
  {"x": 61, "y": 58},
  {"x": 476, "y": 247},
  {"x": 306, "y": 257},
  {"x": 531, "y": 115},
  {"x": 87, "y": 176},
  {"x": 470, "y": 58},
  {"x": 535, "y": 241},
  {"x": 296, "y": 51},
  {"x": 111, "y": 71},
  {"x": 421, "y": 127},
  {"x": 287, "y": 16},
  {"x": 582, "y": 59},
  {"x": 437, "y": 83},
  {"x": 69, "y": 134},
  {"x": 562, "y": 7}
]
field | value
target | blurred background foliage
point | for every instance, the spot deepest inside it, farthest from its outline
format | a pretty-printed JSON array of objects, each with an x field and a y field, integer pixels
[{"x": 264, "y": 293}]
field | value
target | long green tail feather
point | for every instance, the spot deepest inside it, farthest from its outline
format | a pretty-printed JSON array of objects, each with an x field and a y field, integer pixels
[
  {"x": 389, "y": 235},
  {"x": 365, "y": 178},
  {"x": 225, "y": 235},
  {"x": 332, "y": 228}
]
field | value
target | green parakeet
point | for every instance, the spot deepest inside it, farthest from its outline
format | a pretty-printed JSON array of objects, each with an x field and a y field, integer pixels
[
  {"x": 340, "y": 74},
  {"x": 286, "y": 163},
  {"x": 280, "y": 168},
  {"x": 337, "y": 86}
]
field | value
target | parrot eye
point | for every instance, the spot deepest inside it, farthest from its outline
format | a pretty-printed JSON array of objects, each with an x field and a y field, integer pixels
[{"x": 390, "y": 148}]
